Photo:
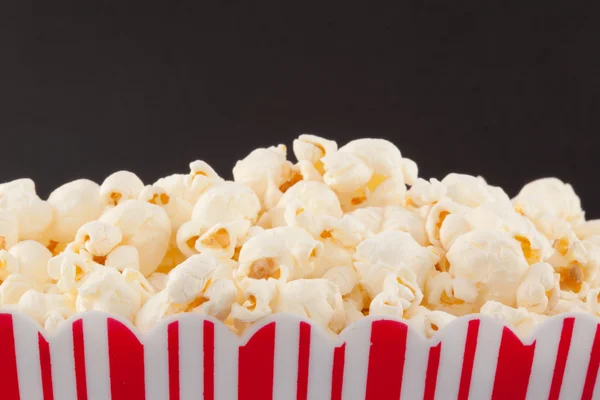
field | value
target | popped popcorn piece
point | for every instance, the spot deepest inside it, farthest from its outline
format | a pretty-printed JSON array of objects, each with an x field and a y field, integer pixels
[
  {"x": 34, "y": 214},
  {"x": 123, "y": 257},
  {"x": 40, "y": 306},
  {"x": 281, "y": 253},
  {"x": 105, "y": 289},
  {"x": 222, "y": 239},
  {"x": 201, "y": 178},
  {"x": 455, "y": 295},
  {"x": 154, "y": 310},
  {"x": 371, "y": 217},
  {"x": 410, "y": 171},
  {"x": 471, "y": 191},
  {"x": 539, "y": 290},
  {"x": 226, "y": 202},
  {"x": 396, "y": 218},
  {"x": 158, "y": 281},
  {"x": 33, "y": 260},
  {"x": 144, "y": 226},
  {"x": 400, "y": 292},
  {"x": 585, "y": 230},
  {"x": 332, "y": 255},
  {"x": 381, "y": 156},
  {"x": 176, "y": 207},
  {"x": 9, "y": 229},
  {"x": 314, "y": 197},
  {"x": 14, "y": 286},
  {"x": 24, "y": 185},
  {"x": 139, "y": 282},
  {"x": 423, "y": 193},
  {"x": 549, "y": 197},
  {"x": 9, "y": 264},
  {"x": 55, "y": 318},
  {"x": 352, "y": 313},
  {"x": 313, "y": 148},
  {"x": 437, "y": 216},
  {"x": 73, "y": 204},
  {"x": 491, "y": 260},
  {"x": 258, "y": 297},
  {"x": 436, "y": 320},
  {"x": 119, "y": 187},
  {"x": 389, "y": 252},
  {"x": 518, "y": 318},
  {"x": 317, "y": 299},
  {"x": 345, "y": 172},
  {"x": 592, "y": 301},
  {"x": 68, "y": 269},
  {"x": 344, "y": 277},
  {"x": 98, "y": 238}
]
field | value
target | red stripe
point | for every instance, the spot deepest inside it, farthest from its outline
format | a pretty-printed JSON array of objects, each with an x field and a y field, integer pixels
[
  {"x": 303, "y": 359},
  {"x": 432, "y": 370},
  {"x": 513, "y": 368},
  {"x": 256, "y": 365},
  {"x": 337, "y": 375},
  {"x": 45, "y": 367},
  {"x": 386, "y": 360},
  {"x": 209, "y": 360},
  {"x": 173, "y": 350},
  {"x": 592, "y": 372},
  {"x": 561, "y": 357},
  {"x": 126, "y": 360},
  {"x": 469, "y": 358},
  {"x": 9, "y": 378},
  {"x": 79, "y": 356}
]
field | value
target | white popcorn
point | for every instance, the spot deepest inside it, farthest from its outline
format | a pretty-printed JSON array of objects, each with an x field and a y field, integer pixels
[
  {"x": 492, "y": 260},
  {"x": 257, "y": 300},
  {"x": 226, "y": 202},
  {"x": 144, "y": 226},
  {"x": 389, "y": 304},
  {"x": 410, "y": 171},
  {"x": 538, "y": 291},
  {"x": 34, "y": 214},
  {"x": 349, "y": 231},
  {"x": 305, "y": 171},
  {"x": 436, "y": 320},
  {"x": 390, "y": 252},
  {"x": 518, "y": 318},
  {"x": 352, "y": 313},
  {"x": 222, "y": 239},
  {"x": 23, "y": 185},
  {"x": 332, "y": 255},
  {"x": 155, "y": 309},
  {"x": 14, "y": 286},
  {"x": 105, "y": 289},
  {"x": 448, "y": 293},
  {"x": 314, "y": 197},
  {"x": 471, "y": 191},
  {"x": 33, "y": 260},
  {"x": 123, "y": 257},
  {"x": 188, "y": 235},
  {"x": 139, "y": 282},
  {"x": 381, "y": 156},
  {"x": 345, "y": 172},
  {"x": 9, "y": 264},
  {"x": 317, "y": 299},
  {"x": 201, "y": 177},
  {"x": 390, "y": 192},
  {"x": 552, "y": 197},
  {"x": 312, "y": 148},
  {"x": 396, "y": 218},
  {"x": 40, "y": 306},
  {"x": 55, "y": 318},
  {"x": 177, "y": 208},
  {"x": 174, "y": 185},
  {"x": 158, "y": 281},
  {"x": 98, "y": 238},
  {"x": 371, "y": 217},
  {"x": 263, "y": 168},
  {"x": 281, "y": 253},
  {"x": 437, "y": 216},
  {"x": 593, "y": 301},
  {"x": 120, "y": 187},
  {"x": 68, "y": 269},
  {"x": 400, "y": 292},
  {"x": 9, "y": 229},
  {"x": 344, "y": 277},
  {"x": 73, "y": 204},
  {"x": 424, "y": 192}
]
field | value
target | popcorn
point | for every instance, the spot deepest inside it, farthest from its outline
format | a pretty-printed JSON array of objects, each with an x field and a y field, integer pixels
[
  {"x": 539, "y": 290},
  {"x": 120, "y": 187},
  {"x": 9, "y": 229},
  {"x": 226, "y": 202},
  {"x": 33, "y": 214},
  {"x": 98, "y": 238},
  {"x": 68, "y": 269},
  {"x": 400, "y": 292},
  {"x": 42, "y": 306},
  {"x": 345, "y": 172},
  {"x": 423, "y": 193},
  {"x": 313, "y": 148},
  {"x": 123, "y": 257},
  {"x": 396, "y": 218},
  {"x": 344, "y": 277},
  {"x": 158, "y": 281},
  {"x": 281, "y": 253},
  {"x": 200, "y": 178},
  {"x": 257, "y": 301},
  {"x": 583, "y": 231},
  {"x": 73, "y": 204},
  {"x": 9, "y": 264},
  {"x": 491, "y": 260},
  {"x": 23, "y": 185},
  {"x": 222, "y": 239},
  {"x": 410, "y": 171},
  {"x": 437, "y": 216},
  {"x": 381, "y": 156},
  {"x": 155, "y": 309},
  {"x": 176, "y": 207},
  {"x": 519, "y": 318},
  {"x": 317, "y": 299},
  {"x": 14, "y": 286},
  {"x": 390, "y": 252},
  {"x": 33, "y": 260},
  {"x": 471, "y": 191},
  {"x": 144, "y": 226},
  {"x": 105, "y": 289},
  {"x": 436, "y": 320}
]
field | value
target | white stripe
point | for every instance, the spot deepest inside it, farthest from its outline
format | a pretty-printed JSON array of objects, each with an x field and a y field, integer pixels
[
  {"x": 226, "y": 363},
  {"x": 63, "y": 362},
  {"x": 486, "y": 358},
  {"x": 28, "y": 357},
  {"x": 358, "y": 343},
  {"x": 547, "y": 338},
  {"x": 156, "y": 363},
  {"x": 97, "y": 367},
  {"x": 582, "y": 340},
  {"x": 453, "y": 339},
  {"x": 596, "y": 395},
  {"x": 415, "y": 365},
  {"x": 320, "y": 364},
  {"x": 191, "y": 357},
  {"x": 287, "y": 343}
]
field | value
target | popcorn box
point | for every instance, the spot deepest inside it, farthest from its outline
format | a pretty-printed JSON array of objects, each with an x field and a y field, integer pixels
[{"x": 96, "y": 356}]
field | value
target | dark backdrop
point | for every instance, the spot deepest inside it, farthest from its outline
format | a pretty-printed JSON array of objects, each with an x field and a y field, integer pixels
[{"x": 508, "y": 93}]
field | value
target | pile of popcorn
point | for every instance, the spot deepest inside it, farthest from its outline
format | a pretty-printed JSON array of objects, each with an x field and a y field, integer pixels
[{"x": 340, "y": 234}]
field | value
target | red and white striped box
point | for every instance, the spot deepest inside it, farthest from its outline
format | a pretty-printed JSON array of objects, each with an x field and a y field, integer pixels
[{"x": 96, "y": 356}]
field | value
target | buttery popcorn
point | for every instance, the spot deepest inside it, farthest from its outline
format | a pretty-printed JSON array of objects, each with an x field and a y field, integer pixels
[{"x": 339, "y": 233}]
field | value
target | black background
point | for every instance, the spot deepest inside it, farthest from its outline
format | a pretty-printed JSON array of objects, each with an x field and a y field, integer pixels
[{"x": 509, "y": 93}]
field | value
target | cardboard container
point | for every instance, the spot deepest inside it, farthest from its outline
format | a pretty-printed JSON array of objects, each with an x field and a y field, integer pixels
[{"x": 96, "y": 356}]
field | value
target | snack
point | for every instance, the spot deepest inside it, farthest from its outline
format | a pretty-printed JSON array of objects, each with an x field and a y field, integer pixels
[{"x": 344, "y": 232}]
